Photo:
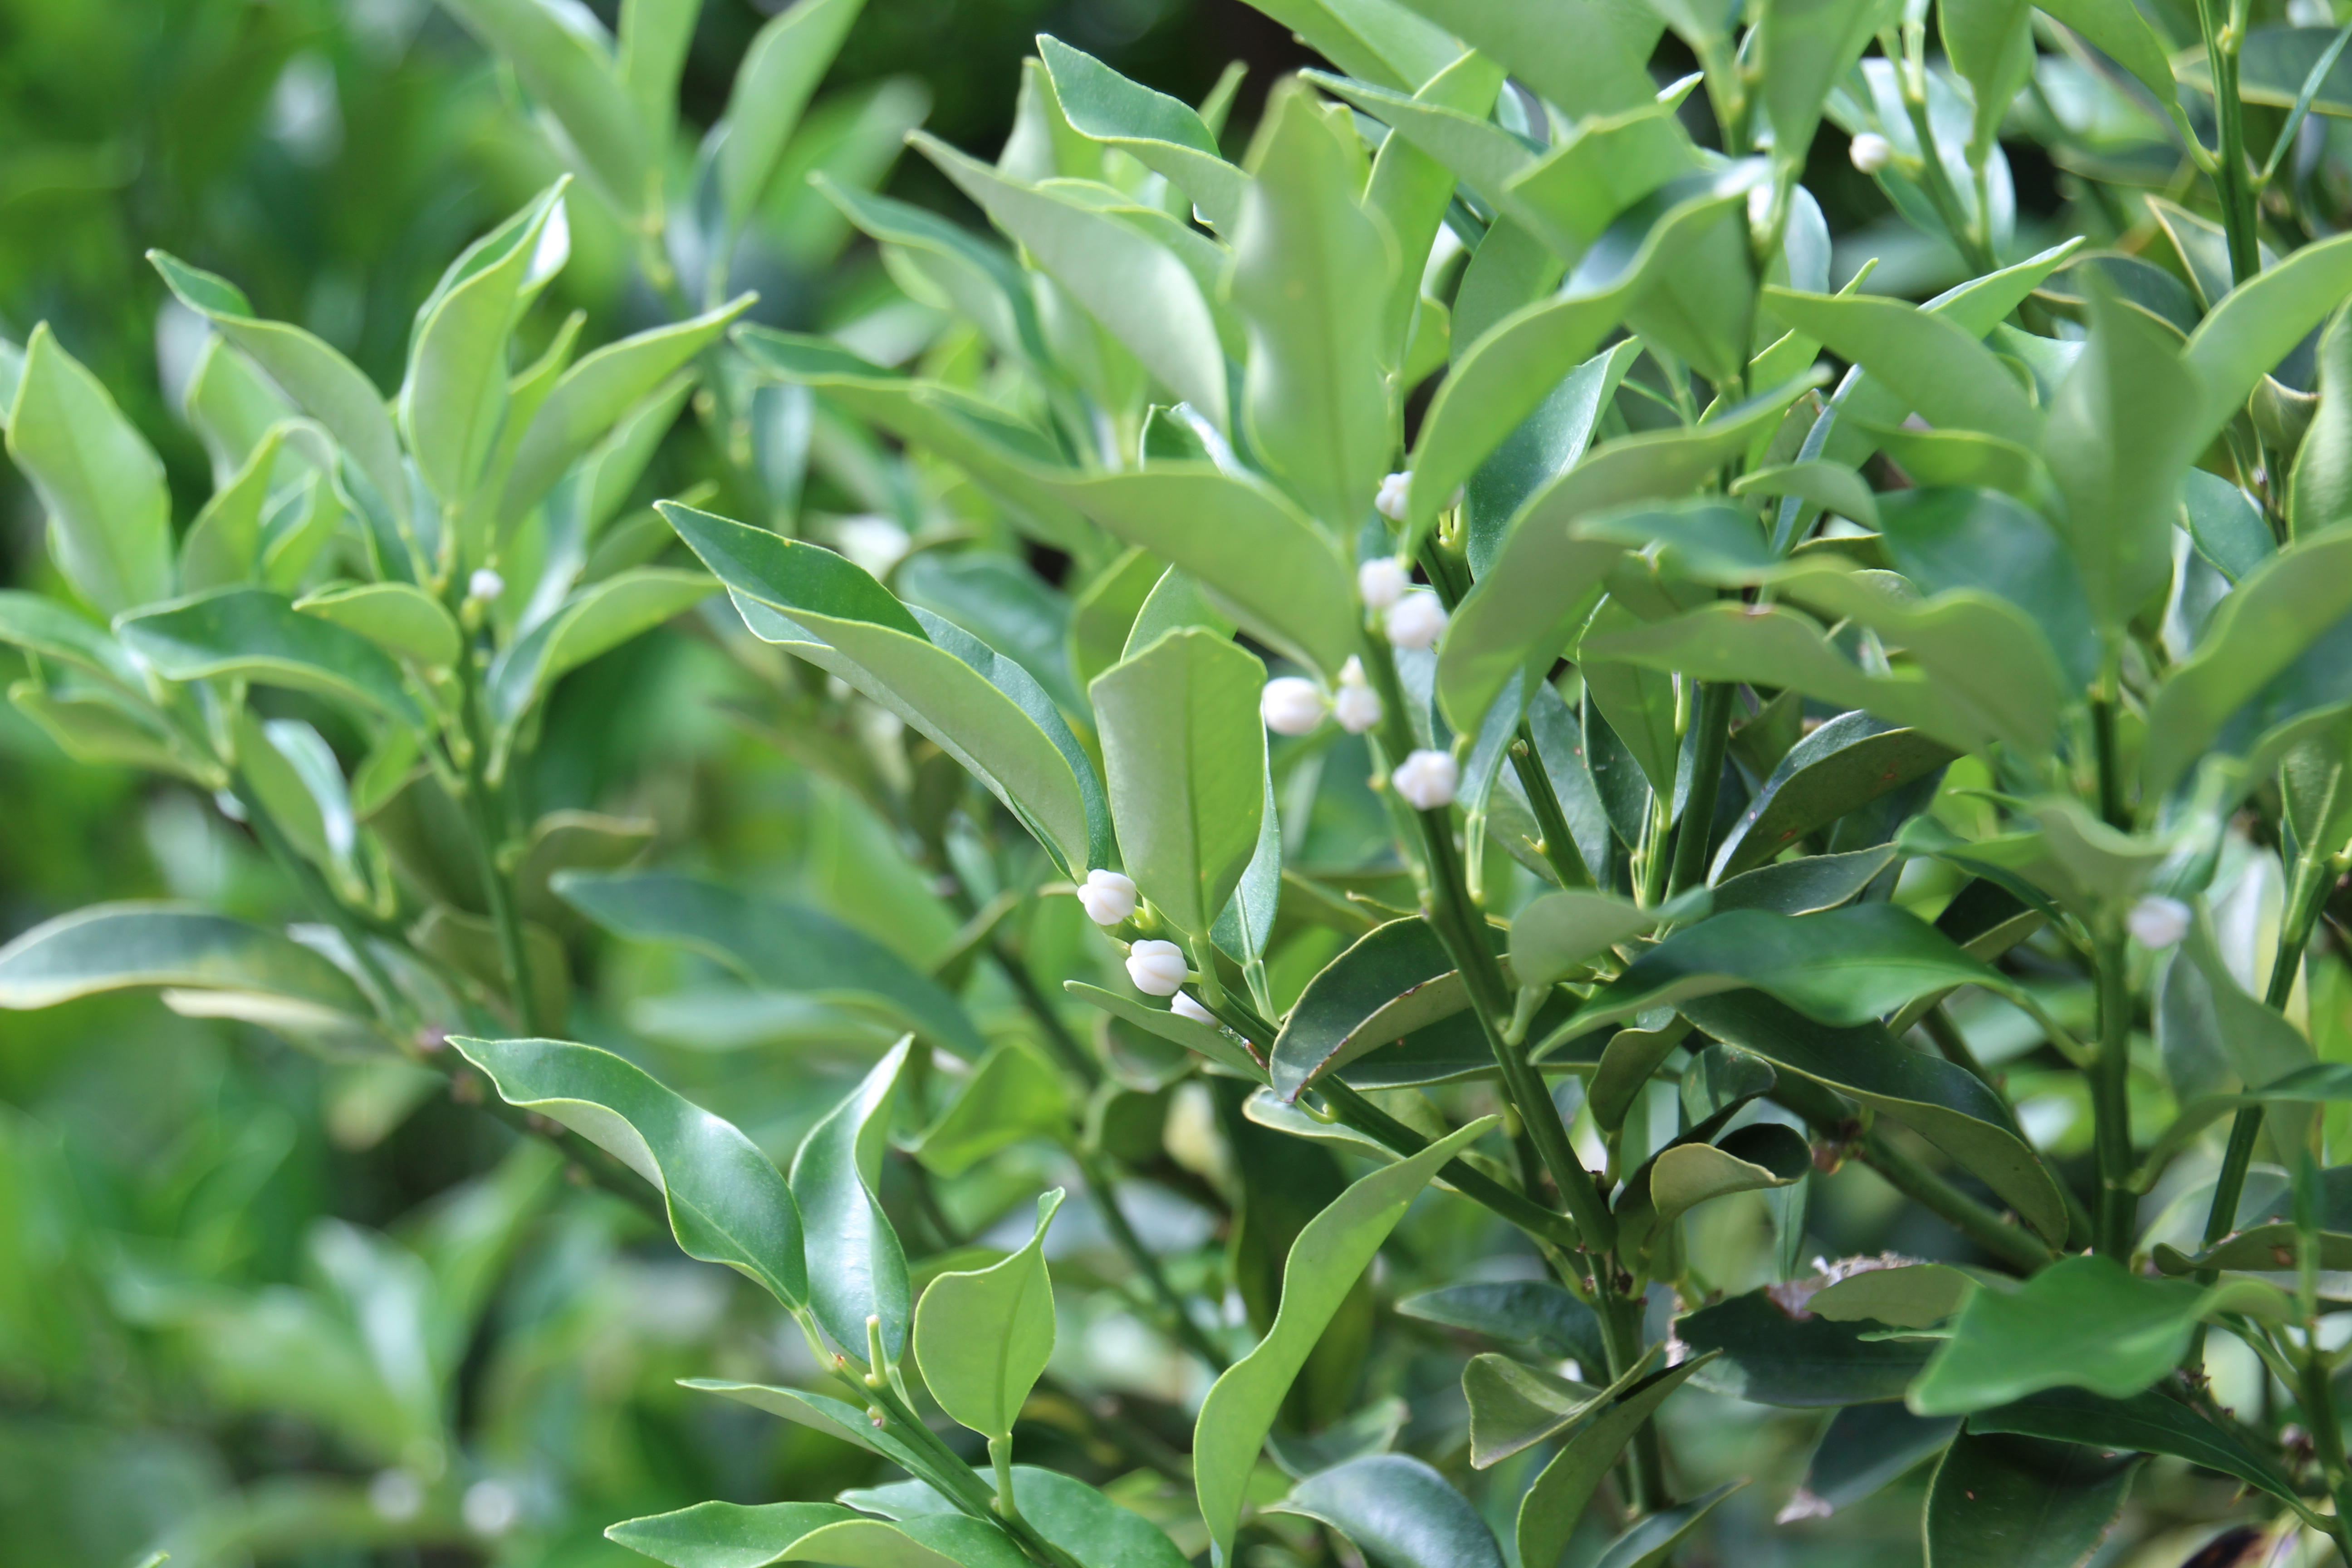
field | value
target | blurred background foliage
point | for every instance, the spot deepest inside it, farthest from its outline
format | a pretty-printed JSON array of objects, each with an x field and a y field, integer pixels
[{"x": 256, "y": 1308}]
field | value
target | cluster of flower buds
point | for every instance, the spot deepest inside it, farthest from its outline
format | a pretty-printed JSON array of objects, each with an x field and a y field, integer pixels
[
  {"x": 1426, "y": 780},
  {"x": 1294, "y": 705}
]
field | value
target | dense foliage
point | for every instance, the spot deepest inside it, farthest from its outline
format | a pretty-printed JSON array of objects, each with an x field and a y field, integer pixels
[{"x": 1388, "y": 849}]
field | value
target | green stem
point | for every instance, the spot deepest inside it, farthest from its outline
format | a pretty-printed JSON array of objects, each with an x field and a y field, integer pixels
[
  {"x": 1973, "y": 247},
  {"x": 2009, "y": 1243},
  {"x": 1462, "y": 931},
  {"x": 1105, "y": 1197},
  {"x": 1541, "y": 1224},
  {"x": 1558, "y": 842},
  {"x": 999, "y": 1460},
  {"x": 2236, "y": 189},
  {"x": 1714, "y": 721},
  {"x": 1621, "y": 1335},
  {"x": 498, "y": 890},
  {"x": 2110, "y": 1103},
  {"x": 1955, "y": 1046},
  {"x": 951, "y": 1476}
]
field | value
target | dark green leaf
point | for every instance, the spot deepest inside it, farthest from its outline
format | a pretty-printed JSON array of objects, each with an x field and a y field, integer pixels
[
  {"x": 1865, "y": 1448},
  {"x": 1840, "y": 768},
  {"x": 1535, "y": 1313},
  {"x": 858, "y": 1270},
  {"x": 1399, "y": 1512},
  {"x": 2150, "y": 1423},
  {"x": 1650, "y": 1543},
  {"x": 1805, "y": 886},
  {"x": 1770, "y": 1356},
  {"x": 2020, "y": 1502},
  {"x": 1556, "y": 1499}
]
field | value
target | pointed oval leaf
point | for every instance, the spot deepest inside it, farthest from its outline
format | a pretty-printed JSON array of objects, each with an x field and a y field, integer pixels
[
  {"x": 1398, "y": 1511},
  {"x": 2020, "y": 1502},
  {"x": 736, "y": 1535},
  {"x": 100, "y": 483},
  {"x": 786, "y": 59},
  {"x": 727, "y": 1202},
  {"x": 114, "y": 947},
  {"x": 1162, "y": 133},
  {"x": 857, "y": 1268},
  {"x": 253, "y": 633},
  {"x": 983, "y": 1339},
  {"x": 593, "y": 621},
  {"x": 1548, "y": 1513},
  {"x": 399, "y": 617}
]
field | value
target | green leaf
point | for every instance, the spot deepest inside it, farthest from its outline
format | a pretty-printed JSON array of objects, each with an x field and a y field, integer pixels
[
  {"x": 1841, "y": 966},
  {"x": 1587, "y": 56},
  {"x": 1162, "y": 133},
  {"x": 1323, "y": 1262},
  {"x": 107, "y": 729},
  {"x": 2151, "y": 1422},
  {"x": 1379, "y": 40},
  {"x": 1556, "y": 1499},
  {"x": 399, "y": 617},
  {"x": 454, "y": 399},
  {"x": 820, "y": 1413},
  {"x": 592, "y": 396},
  {"x": 322, "y": 382},
  {"x": 1840, "y": 768},
  {"x": 786, "y": 59},
  {"x": 593, "y": 621},
  {"x": 1946, "y": 540},
  {"x": 565, "y": 59},
  {"x": 2121, "y": 434},
  {"x": 997, "y": 723},
  {"x": 1197, "y": 1038},
  {"x": 1180, "y": 733},
  {"x": 1929, "y": 362},
  {"x": 784, "y": 947},
  {"x": 1768, "y": 1355},
  {"x": 858, "y": 1270},
  {"x": 1310, "y": 269},
  {"x": 223, "y": 546},
  {"x": 1865, "y": 1447},
  {"x": 1945, "y": 1104},
  {"x": 253, "y": 633},
  {"x": 2083, "y": 1323},
  {"x": 2321, "y": 495},
  {"x": 654, "y": 38},
  {"x": 100, "y": 483},
  {"x": 1012, "y": 1094},
  {"x": 1911, "y": 1296},
  {"x": 1394, "y": 980},
  {"x": 1750, "y": 1160},
  {"x": 1560, "y": 933},
  {"x": 983, "y": 1339},
  {"x": 1990, "y": 45},
  {"x": 1245, "y": 925},
  {"x": 1104, "y": 612},
  {"x": 2019, "y": 1502},
  {"x": 1133, "y": 285},
  {"x": 1398, "y": 1512},
  {"x": 1258, "y": 555},
  {"x": 727, "y": 1203},
  {"x": 1073, "y": 1516},
  {"x": 1806, "y": 885},
  {"x": 1651, "y": 1541},
  {"x": 2119, "y": 29},
  {"x": 41, "y": 626},
  {"x": 122, "y": 946},
  {"x": 2259, "y": 324},
  {"x": 2277, "y": 613},
  {"x": 1535, "y": 1313},
  {"x": 735, "y": 1535},
  {"x": 1514, "y": 1407},
  {"x": 1804, "y": 46}
]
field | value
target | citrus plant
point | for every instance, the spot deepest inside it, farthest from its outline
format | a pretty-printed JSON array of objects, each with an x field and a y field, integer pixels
[{"x": 1579, "y": 745}]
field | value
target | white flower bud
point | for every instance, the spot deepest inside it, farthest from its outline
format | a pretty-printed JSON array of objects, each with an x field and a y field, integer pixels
[
  {"x": 1870, "y": 152},
  {"x": 2156, "y": 921},
  {"x": 1108, "y": 897},
  {"x": 1383, "y": 581},
  {"x": 1352, "y": 672},
  {"x": 1291, "y": 705},
  {"x": 1184, "y": 1006},
  {"x": 1157, "y": 968},
  {"x": 1416, "y": 620},
  {"x": 1389, "y": 501},
  {"x": 1759, "y": 204},
  {"x": 1426, "y": 780},
  {"x": 484, "y": 583},
  {"x": 1358, "y": 709}
]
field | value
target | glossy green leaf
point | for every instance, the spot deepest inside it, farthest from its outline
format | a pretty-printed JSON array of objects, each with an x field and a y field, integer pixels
[
  {"x": 983, "y": 1339},
  {"x": 2119, "y": 29},
  {"x": 1910, "y": 1296},
  {"x": 1482, "y": 155},
  {"x": 223, "y": 546},
  {"x": 1012, "y": 1094},
  {"x": 858, "y": 1270},
  {"x": 1379, "y": 40},
  {"x": 2151, "y": 1422},
  {"x": 1197, "y": 1038},
  {"x": 786, "y": 59},
  {"x": 1394, "y": 980},
  {"x": 727, "y": 1203},
  {"x": 399, "y": 617},
  {"x": 1398, "y": 1511},
  {"x": 1750, "y": 1160},
  {"x": 1840, "y": 768},
  {"x": 2261, "y": 322},
  {"x": 1072, "y": 1515},
  {"x": 593, "y": 621},
  {"x": 1132, "y": 284},
  {"x": 784, "y": 947},
  {"x": 590, "y": 398},
  {"x": 1310, "y": 268},
  {"x": 737, "y": 1535},
  {"x": 1772, "y": 1356},
  {"x": 100, "y": 483},
  {"x": 2019, "y": 1502},
  {"x": 1256, "y": 552},
  {"x": 1560, "y": 933},
  {"x": 1587, "y": 56},
  {"x": 1180, "y": 733},
  {"x": 1245, "y": 926},
  {"x": 997, "y": 723},
  {"x": 1990, "y": 46},
  {"x": 115, "y": 947},
  {"x": 1532, "y": 1312},
  {"x": 570, "y": 68},
  {"x": 1865, "y": 1448},
  {"x": 321, "y": 382},
  {"x": 40, "y": 625},
  {"x": 1841, "y": 966},
  {"x": 2083, "y": 1323},
  {"x": 1162, "y": 133},
  {"x": 1806, "y": 885},
  {"x": 2320, "y": 497},
  {"x": 1945, "y": 1104},
  {"x": 1334, "y": 1248},
  {"x": 1803, "y": 47},
  {"x": 1650, "y": 1543},
  {"x": 1548, "y": 1513},
  {"x": 1927, "y": 360},
  {"x": 252, "y": 634},
  {"x": 1514, "y": 1407},
  {"x": 2259, "y": 630}
]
